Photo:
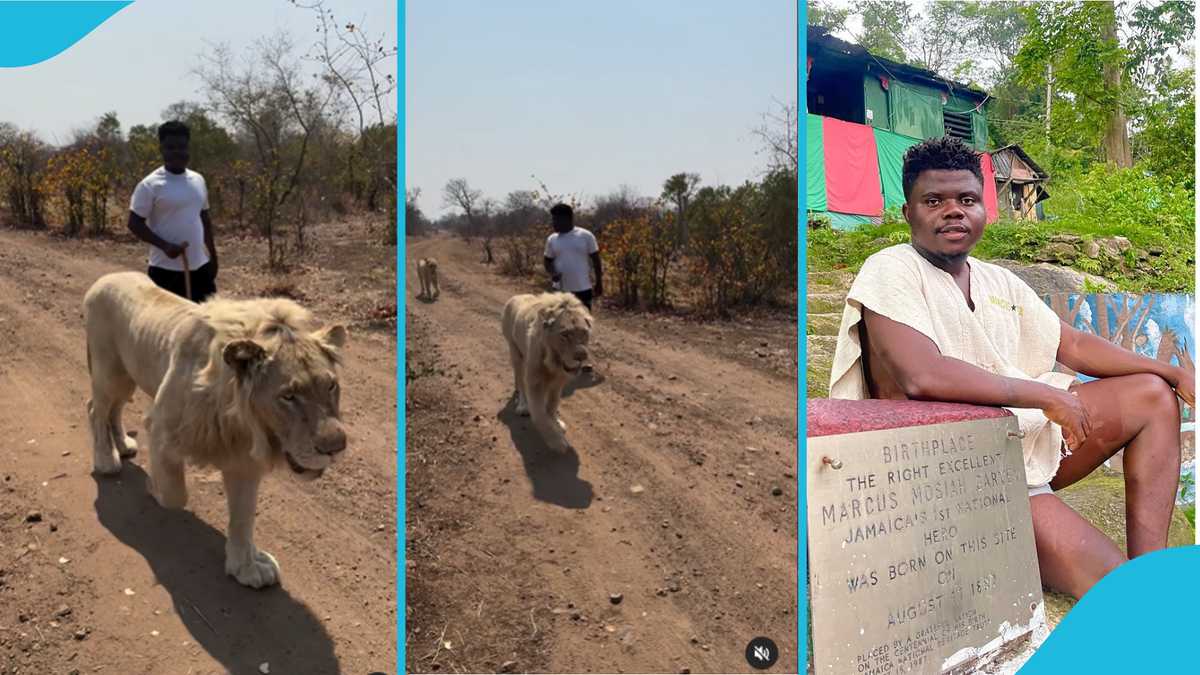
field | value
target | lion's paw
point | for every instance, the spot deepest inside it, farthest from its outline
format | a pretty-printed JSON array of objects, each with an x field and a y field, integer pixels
[
  {"x": 522, "y": 408},
  {"x": 257, "y": 570},
  {"x": 106, "y": 463},
  {"x": 129, "y": 447},
  {"x": 559, "y": 444}
]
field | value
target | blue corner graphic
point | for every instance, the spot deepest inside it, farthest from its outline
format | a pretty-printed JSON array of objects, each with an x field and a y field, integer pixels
[
  {"x": 1138, "y": 619},
  {"x": 32, "y": 32}
]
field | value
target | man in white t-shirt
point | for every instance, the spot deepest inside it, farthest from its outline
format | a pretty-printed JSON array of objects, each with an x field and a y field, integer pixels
[
  {"x": 169, "y": 211},
  {"x": 568, "y": 253}
]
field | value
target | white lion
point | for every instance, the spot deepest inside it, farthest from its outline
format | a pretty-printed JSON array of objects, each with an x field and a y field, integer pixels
[
  {"x": 239, "y": 385},
  {"x": 427, "y": 272},
  {"x": 547, "y": 338}
]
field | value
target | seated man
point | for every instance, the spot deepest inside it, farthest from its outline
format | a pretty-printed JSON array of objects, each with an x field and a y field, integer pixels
[{"x": 925, "y": 321}]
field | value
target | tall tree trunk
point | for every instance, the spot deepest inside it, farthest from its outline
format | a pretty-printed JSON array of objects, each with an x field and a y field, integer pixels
[
  {"x": 1049, "y": 96},
  {"x": 1116, "y": 135}
]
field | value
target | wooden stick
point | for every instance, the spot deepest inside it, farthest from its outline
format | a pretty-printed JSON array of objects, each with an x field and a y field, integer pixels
[{"x": 187, "y": 273}]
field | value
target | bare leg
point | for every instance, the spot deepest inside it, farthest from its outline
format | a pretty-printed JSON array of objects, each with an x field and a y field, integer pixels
[
  {"x": 1072, "y": 554},
  {"x": 243, "y": 561},
  {"x": 1141, "y": 414}
]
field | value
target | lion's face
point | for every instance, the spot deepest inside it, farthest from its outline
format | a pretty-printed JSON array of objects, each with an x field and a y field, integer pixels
[
  {"x": 294, "y": 394},
  {"x": 566, "y": 337}
]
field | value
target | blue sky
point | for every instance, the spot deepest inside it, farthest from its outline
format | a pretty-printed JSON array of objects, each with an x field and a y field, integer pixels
[
  {"x": 590, "y": 95},
  {"x": 140, "y": 61}
]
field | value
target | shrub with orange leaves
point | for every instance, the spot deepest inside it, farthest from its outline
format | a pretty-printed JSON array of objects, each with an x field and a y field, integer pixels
[
  {"x": 22, "y": 160},
  {"x": 79, "y": 184},
  {"x": 638, "y": 254},
  {"x": 741, "y": 251}
]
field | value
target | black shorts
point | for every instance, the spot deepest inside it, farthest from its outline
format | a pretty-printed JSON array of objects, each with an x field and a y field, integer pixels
[
  {"x": 585, "y": 297},
  {"x": 204, "y": 283}
]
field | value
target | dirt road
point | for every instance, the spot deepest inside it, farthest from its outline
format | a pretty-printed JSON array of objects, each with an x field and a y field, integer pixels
[
  {"x": 95, "y": 577},
  {"x": 680, "y": 497}
]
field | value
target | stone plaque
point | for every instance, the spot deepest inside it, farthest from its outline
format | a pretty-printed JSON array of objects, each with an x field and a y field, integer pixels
[{"x": 921, "y": 551}]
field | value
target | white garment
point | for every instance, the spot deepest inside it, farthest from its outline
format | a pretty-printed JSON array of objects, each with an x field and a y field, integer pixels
[
  {"x": 570, "y": 252},
  {"x": 1043, "y": 489},
  {"x": 171, "y": 204},
  {"x": 1012, "y": 332}
]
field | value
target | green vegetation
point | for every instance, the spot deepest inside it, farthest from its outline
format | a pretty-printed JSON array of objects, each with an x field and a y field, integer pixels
[
  {"x": 1154, "y": 213},
  {"x": 1092, "y": 91},
  {"x": 712, "y": 250},
  {"x": 1187, "y": 495}
]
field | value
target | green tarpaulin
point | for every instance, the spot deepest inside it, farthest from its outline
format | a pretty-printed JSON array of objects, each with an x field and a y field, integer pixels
[
  {"x": 979, "y": 132},
  {"x": 959, "y": 105},
  {"x": 890, "y": 147},
  {"x": 915, "y": 112},
  {"x": 814, "y": 169},
  {"x": 847, "y": 221},
  {"x": 875, "y": 100},
  {"x": 889, "y": 155},
  {"x": 979, "y": 127}
]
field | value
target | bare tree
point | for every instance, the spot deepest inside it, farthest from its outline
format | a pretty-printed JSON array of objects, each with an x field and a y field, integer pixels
[
  {"x": 488, "y": 228},
  {"x": 458, "y": 194},
  {"x": 678, "y": 190},
  {"x": 624, "y": 203},
  {"x": 263, "y": 97},
  {"x": 357, "y": 63},
  {"x": 778, "y": 136},
  {"x": 523, "y": 205},
  {"x": 415, "y": 222},
  {"x": 358, "y": 66}
]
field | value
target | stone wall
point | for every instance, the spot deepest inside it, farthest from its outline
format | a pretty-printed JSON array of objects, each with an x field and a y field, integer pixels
[{"x": 1119, "y": 252}]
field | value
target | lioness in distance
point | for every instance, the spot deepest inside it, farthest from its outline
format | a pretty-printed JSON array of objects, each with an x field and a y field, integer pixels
[
  {"x": 547, "y": 338},
  {"x": 240, "y": 385},
  {"x": 427, "y": 272}
]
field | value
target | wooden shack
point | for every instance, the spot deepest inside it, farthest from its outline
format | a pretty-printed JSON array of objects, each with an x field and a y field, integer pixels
[{"x": 1020, "y": 183}]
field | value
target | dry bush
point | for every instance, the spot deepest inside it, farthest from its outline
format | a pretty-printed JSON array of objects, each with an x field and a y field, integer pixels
[
  {"x": 638, "y": 254},
  {"x": 78, "y": 182},
  {"x": 521, "y": 250},
  {"x": 743, "y": 244}
]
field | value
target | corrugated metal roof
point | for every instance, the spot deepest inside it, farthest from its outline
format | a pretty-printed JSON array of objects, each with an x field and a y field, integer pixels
[
  {"x": 822, "y": 38},
  {"x": 998, "y": 157}
]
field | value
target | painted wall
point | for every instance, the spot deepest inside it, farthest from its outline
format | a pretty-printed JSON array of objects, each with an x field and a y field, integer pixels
[{"x": 1155, "y": 325}]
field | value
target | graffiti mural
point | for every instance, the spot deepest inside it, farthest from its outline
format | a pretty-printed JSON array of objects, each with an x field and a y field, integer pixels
[{"x": 1155, "y": 325}]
